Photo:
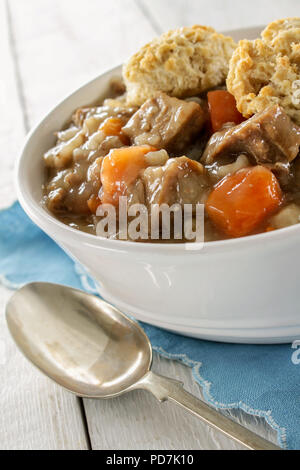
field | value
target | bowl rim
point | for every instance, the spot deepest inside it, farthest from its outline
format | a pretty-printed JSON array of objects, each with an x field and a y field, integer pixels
[{"x": 44, "y": 219}]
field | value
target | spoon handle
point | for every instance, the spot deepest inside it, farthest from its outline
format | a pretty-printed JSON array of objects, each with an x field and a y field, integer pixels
[{"x": 164, "y": 388}]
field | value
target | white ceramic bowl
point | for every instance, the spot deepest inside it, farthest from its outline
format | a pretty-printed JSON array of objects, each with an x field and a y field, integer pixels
[{"x": 244, "y": 290}]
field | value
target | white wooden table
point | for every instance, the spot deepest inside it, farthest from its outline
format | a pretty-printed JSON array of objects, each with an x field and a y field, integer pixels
[{"x": 47, "y": 49}]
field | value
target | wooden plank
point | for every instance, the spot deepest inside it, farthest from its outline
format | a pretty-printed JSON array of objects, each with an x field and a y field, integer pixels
[
  {"x": 12, "y": 125},
  {"x": 61, "y": 44},
  {"x": 232, "y": 14},
  {"x": 35, "y": 414}
]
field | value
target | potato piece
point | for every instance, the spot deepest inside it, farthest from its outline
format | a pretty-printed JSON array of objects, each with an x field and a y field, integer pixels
[{"x": 289, "y": 215}]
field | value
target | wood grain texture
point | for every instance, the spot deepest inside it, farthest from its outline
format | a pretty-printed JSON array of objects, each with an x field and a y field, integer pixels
[
  {"x": 61, "y": 44},
  {"x": 57, "y": 45},
  {"x": 12, "y": 128},
  {"x": 222, "y": 15},
  {"x": 35, "y": 414}
]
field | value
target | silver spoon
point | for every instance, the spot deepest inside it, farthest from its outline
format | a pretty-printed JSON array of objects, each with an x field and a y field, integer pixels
[{"x": 91, "y": 349}]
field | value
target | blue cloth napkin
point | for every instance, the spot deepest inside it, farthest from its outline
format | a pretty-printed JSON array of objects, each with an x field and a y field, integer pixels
[{"x": 261, "y": 380}]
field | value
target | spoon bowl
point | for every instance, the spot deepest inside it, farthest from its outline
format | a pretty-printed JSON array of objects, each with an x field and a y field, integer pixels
[{"x": 78, "y": 340}]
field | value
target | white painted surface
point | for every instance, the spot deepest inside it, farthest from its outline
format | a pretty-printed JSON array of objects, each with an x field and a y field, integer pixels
[
  {"x": 221, "y": 14},
  {"x": 49, "y": 48},
  {"x": 12, "y": 125}
]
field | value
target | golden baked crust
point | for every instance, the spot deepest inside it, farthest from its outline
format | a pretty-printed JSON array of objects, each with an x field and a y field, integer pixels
[
  {"x": 183, "y": 62},
  {"x": 284, "y": 36},
  {"x": 266, "y": 71}
]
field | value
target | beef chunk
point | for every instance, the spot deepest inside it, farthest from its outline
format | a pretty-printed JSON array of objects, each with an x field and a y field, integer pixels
[
  {"x": 180, "y": 180},
  {"x": 166, "y": 122},
  {"x": 70, "y": 189},
  {"x": 269, "y": 138}
]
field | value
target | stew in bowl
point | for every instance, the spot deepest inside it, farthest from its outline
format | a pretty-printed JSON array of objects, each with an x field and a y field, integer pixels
[{"x": 195, "y": 120}]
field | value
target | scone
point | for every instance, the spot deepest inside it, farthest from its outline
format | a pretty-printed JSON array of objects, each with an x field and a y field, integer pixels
[
  {"x": 267, "y": 71},
  {"x": 180, "y": 63},
  {"x": 284, "y": 37}
]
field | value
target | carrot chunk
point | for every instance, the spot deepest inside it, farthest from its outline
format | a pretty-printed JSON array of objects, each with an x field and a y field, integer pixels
[
  {"x": 113, "y": 127},
  {"x": 222, "y": 108},
  {"x": 242, "y": 201},
  {"x": 120, "y": 168}
]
